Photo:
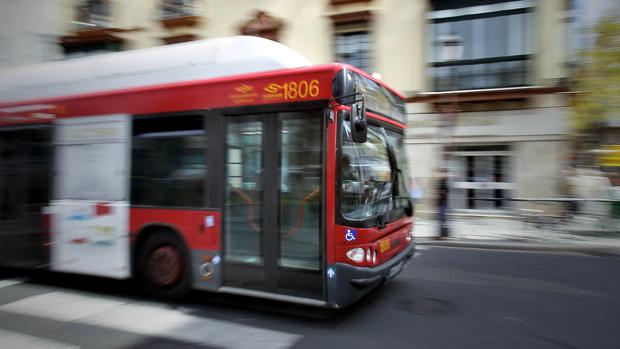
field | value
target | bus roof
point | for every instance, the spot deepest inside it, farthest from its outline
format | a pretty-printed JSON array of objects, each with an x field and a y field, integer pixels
[{"x": 197, "y": 60}]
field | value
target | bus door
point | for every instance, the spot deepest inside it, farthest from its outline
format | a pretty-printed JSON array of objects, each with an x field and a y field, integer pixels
[
  {"x": 272, "y": 222},
  {"x": 90, "y": 209},
  {"x": 24, "y": 191}
]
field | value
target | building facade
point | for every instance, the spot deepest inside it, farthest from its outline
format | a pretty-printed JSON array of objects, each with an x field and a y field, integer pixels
[{"x": 495, "y": 115}]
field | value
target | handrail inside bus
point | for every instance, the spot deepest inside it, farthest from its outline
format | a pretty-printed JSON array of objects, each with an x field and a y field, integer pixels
[
  {"x": 248, "y": 200},
  {"x": 300, "y": 212}
]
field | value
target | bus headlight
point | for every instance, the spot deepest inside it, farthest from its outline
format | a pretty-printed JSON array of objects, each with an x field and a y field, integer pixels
[
  {"x": 356, "y": 254},
  {"x": 368, "y": 255},
  {"x": 374, "y": 257}
]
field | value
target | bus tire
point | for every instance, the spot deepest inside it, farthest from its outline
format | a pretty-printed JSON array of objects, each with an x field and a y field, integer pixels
[{"x": 164, "y": 267}]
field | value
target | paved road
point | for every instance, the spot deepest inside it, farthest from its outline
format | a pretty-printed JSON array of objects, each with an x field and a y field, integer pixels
[{"x": 447, "y": 298}]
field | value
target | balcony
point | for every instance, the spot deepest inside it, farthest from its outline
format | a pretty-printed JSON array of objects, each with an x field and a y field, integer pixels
[{"x": 483, "y": 73}]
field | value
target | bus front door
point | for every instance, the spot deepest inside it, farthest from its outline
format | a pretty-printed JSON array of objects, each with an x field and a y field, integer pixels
[{"x": 272, "y": 224}]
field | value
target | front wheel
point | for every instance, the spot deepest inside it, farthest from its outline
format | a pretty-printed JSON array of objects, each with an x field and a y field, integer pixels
[{"x": 164, "y": 266}]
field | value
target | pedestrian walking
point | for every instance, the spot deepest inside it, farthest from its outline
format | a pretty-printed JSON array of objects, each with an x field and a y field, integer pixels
[{"x": 442, "y": 204}]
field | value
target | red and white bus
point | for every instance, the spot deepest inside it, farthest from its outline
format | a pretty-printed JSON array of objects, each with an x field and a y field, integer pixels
[{"x": 227, "y": 165}]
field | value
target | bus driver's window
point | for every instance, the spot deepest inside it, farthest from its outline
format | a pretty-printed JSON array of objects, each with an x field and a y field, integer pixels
[{"x": 347, "y": 171}]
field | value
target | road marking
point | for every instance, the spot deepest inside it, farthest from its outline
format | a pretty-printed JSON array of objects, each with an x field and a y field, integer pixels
[
  {"x": 9, "y": 339},
  {"x": 149, "y": 320},
  {"x": 11, "y": 282},
  {"x": 61, "y": 306}
]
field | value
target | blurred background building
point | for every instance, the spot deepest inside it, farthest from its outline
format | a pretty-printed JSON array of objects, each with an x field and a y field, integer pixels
[{"x": 490, "y": 84}]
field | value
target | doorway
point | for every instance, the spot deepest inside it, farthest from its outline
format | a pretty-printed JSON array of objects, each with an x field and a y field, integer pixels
[{"x": 272, "y": 224}]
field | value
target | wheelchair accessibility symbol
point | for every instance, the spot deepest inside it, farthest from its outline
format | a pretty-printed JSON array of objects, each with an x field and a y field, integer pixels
[{"x": 350, "y": 235}]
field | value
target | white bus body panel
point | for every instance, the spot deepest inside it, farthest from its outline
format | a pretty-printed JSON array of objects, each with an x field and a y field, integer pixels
[
  {"x": 90, "y": 237},
  {"x": 90, "y": 210},
  {"x": 196, "y": 60}
]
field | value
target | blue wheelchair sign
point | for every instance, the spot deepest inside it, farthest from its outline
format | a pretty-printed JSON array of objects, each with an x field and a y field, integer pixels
[{"x": 351, "y": 235}]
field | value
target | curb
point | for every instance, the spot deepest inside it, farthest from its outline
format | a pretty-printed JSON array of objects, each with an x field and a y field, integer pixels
[{"x": 591, "y": 249}]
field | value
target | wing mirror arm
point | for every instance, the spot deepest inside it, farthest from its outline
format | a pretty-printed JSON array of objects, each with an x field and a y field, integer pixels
[{"x": 359, "y": 125}]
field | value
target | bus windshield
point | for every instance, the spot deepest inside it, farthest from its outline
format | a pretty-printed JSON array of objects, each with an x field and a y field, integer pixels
[{"x": 369, "y": 179}]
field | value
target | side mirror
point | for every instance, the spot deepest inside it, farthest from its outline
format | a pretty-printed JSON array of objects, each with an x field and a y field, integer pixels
[
  {"x": 343, "y": 87},
  {"x": 359, "y": 130}
]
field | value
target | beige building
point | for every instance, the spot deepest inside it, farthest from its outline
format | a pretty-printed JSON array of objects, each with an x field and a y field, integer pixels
[{"x": 494, "y": 114}]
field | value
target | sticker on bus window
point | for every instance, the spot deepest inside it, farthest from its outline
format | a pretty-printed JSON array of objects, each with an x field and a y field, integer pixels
[{"x": 350, "y": 235}]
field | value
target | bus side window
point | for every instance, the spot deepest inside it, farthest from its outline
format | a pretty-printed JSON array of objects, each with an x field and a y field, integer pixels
[{"x": 169, "y": 166}]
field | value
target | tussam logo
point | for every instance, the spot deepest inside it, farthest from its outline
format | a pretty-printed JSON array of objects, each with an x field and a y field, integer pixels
[
  {"x": 244, "y": 94},
  {"x": 272, "y": 88},
  {"x": 244, "y": 88}
]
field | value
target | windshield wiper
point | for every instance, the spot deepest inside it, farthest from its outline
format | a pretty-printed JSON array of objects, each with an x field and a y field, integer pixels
[
  {"x": 384, "y": 217},
  {"x": 409, "y": 208}
]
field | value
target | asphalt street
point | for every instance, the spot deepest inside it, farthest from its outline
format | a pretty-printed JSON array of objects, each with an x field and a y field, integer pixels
[{"x": 446, "y": 298}]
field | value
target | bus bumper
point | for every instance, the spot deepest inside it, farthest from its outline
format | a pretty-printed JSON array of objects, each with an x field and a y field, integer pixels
[{"x": 352, "y": 283}]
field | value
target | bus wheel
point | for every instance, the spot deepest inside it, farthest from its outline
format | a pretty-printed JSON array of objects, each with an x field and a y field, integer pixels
[{"x": 164, "y": 266}]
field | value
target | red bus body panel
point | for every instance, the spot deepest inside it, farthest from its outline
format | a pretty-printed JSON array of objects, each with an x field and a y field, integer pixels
[
  {"x": 237, "y": 91},
  {"x": 332, "y": 142},
  {"x": 191, "y": 224},
  {"x": 396, "y": 233}
]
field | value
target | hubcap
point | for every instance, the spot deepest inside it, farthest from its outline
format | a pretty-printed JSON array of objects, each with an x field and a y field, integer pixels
[{"x": 164, "y": 266}]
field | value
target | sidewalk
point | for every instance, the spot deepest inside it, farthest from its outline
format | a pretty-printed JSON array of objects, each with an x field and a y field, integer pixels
[{"x": 581, "y": 236}]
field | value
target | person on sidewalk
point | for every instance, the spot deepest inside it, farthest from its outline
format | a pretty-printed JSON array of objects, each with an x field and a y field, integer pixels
[
  {"x": 567, "y": 190},
  {"x": 442, "y": 204}
]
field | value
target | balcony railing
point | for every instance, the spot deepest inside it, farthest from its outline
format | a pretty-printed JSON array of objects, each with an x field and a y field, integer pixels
[{"x": 470, "y": 74}]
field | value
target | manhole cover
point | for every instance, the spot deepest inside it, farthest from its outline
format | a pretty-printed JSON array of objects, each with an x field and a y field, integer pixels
[{"x": 425, "y": 306}]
